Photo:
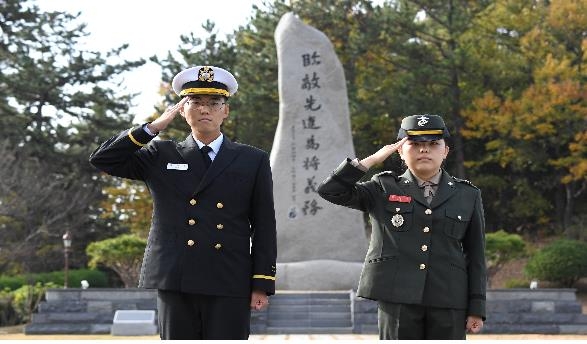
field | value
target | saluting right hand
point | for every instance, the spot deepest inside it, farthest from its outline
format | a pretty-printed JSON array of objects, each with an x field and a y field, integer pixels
[
  {"x": 382, "y": 154},
  {"x": 168, "y": 115}
]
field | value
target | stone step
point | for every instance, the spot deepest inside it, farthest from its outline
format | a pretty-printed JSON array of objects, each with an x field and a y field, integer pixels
[
  {"x": 62, "y": 306},
  {"x": 536, "y": 318},
  {"x": 310, "y": 298},
  {"x": 535, "y": 306},
  {"x": 309, "y": 303},
  {"x": 313, "y": 295},
  {"x": 573, "y": 329},
  {"x": 77, "y": 317},
  {"x": 320, "y": 323},
  {"x": 67, "y": 328},
  {"x": 532, "y": 294},
  {"x": 520, "y": 328},
  {"x": 94, "y": 306},
  {"x": 105, "y": 294},
  {"x": 280, "y": 308},
  {"x": 309, "y": 330},
  {"x": 311, "y": 316}
]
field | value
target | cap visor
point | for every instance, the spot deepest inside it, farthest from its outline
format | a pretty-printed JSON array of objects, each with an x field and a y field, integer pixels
[{"x": 422, "y": 138}]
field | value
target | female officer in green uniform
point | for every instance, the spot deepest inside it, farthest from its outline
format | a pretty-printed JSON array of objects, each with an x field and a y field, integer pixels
[{"x": 426, "y": 260}]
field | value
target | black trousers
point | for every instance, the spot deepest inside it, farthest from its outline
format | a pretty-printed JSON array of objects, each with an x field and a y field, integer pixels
[
  {"x": 404, "y": 322},
  {"x": 196, "y": 316}
]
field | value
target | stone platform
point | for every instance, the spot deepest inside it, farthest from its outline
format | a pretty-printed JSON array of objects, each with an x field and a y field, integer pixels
[{"x": 509, "y": 311}]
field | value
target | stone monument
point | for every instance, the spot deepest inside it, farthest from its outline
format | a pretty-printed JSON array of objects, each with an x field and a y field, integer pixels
[{"x": 320, "y": 246}]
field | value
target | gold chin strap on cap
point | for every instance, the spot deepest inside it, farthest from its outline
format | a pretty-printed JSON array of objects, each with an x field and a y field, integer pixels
[
  {"x": 424, "y": 132},
  {"x": 218, "y": 91}
]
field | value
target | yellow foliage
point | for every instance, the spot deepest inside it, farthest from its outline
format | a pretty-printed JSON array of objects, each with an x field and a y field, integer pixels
[
  {"x": 130, "y": 204},
  {"x": 555, "y": 69},
  {"x": 568, "y": 16}
]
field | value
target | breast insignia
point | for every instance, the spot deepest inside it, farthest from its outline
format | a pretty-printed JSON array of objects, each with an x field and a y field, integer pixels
[{"x": 397, "y": 220}]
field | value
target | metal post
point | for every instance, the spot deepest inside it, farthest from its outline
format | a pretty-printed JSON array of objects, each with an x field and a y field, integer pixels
[
  {"x": 66, "y": 271},
  {"x": 66, "y": 250}
]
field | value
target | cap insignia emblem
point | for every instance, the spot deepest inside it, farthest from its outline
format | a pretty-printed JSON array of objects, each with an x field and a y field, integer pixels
[
  {"x": 206, "y": 74},
  {"x": 422, "y": 120}
]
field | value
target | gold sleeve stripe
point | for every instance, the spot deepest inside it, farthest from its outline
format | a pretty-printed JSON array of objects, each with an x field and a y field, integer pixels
[
  {"x": 424, "y": 132},
  {"x": 132, "y": 138},
  {"x": 264, "y": 277},
  {"x": 219, "y": 91}
]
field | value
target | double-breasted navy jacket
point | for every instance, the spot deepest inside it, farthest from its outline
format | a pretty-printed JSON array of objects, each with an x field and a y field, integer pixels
[{"x": 213, "y": 231}]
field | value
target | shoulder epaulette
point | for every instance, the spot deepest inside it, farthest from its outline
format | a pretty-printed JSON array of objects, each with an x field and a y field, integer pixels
[
  {"x": 386, "y": 173},
  {"x": 464, "y": 181}
]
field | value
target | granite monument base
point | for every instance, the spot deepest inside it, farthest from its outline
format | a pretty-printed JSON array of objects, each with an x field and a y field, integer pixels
[{"x": 318, "y": 275}]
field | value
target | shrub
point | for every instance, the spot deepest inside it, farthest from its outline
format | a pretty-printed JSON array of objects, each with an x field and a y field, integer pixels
[
  {"x": 27, "y": 298},
  {"x": 123, "y": 254},
  {"x": 563, "y": 261},
  {"x": 517, "y": 283},
  {"x": 8, "y": 316},
  {"x": 501, "y": 247},
  {"x": 12, "y": 282},
  {"x": 96, "y": 278}
]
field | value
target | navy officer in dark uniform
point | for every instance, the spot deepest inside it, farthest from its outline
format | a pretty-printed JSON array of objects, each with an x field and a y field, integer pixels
[
  {"x": 426, "y": 260},
  {"x": 211, "y": 251}
]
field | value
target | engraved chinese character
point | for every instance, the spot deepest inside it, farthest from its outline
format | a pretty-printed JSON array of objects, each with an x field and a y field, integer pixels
[
  {"x": 311, "y": 207},
  {"x": 308, "y": 59},
  {"x": 308, "y": 84},
  {"x": 311, "y": 163},
  {"x": 310, "y": 123},
  {"x": 311, "y": 104},
  {"x": 311, "y": 187},
  {"x": 312, "y": 144}
]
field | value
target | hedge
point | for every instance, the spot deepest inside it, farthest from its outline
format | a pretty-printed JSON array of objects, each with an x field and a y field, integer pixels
[{"x": 96, "y": 279}]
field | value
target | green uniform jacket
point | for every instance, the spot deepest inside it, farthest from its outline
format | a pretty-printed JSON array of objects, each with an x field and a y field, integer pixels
[
  {"x": 431, "y": 255},
  {"x": 213, "y": 231}
]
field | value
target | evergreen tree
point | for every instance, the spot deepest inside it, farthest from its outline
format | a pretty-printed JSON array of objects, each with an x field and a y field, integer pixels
[{"x": 57, "y": 102}]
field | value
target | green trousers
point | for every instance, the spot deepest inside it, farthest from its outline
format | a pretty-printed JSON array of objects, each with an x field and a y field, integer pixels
[{"x": 405, "y": 322}]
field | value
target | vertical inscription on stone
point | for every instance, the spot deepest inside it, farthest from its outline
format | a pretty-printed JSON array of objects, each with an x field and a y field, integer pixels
[{"x": 313, "y": 135}]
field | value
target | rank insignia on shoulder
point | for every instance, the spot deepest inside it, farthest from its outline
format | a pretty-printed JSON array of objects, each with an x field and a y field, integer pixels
[
  {"x": 464, "y": 181},
  {"x": 386, "y": 173}
]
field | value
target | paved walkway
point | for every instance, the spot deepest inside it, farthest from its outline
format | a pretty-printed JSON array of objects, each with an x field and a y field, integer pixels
[{"x": 296, "y": 337}]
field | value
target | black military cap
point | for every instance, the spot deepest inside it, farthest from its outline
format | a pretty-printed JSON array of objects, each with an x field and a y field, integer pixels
[{"x": 423, "y": 128}]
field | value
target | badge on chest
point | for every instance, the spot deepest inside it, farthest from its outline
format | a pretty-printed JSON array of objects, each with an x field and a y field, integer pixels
[{"x": 397, "y": 220}]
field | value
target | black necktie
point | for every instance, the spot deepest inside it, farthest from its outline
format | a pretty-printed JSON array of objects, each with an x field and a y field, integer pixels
[{"x": 204, "y": 150}]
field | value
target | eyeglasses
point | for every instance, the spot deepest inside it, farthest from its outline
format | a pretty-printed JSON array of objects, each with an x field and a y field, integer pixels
[{"x": 214, "y": 105}]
